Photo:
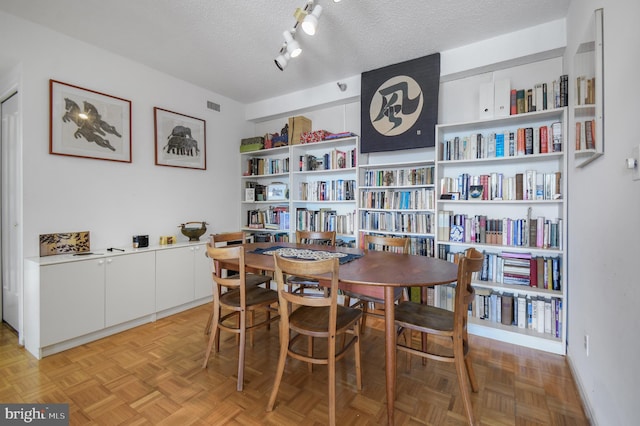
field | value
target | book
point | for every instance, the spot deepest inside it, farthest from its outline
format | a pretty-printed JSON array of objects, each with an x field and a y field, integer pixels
[
  {"x": 506, "y": 307},
  {"x": 520, "y": 101}
]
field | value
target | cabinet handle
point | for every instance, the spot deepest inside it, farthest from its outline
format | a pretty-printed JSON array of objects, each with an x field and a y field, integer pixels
[
  {"x": 109, "y": 260},
  {"x": 100, "y": 262}
]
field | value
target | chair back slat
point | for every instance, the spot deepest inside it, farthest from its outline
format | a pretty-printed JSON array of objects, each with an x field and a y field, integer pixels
[
  {"x": 397, "y": 245},
  {"x": 315, "y": 237}
]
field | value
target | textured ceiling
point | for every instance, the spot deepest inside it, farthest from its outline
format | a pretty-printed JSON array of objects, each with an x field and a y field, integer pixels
[{"x": 228, "y": 46}]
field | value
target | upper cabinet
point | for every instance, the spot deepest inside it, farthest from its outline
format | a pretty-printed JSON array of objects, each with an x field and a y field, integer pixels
[{"x": 588, "y": 106}]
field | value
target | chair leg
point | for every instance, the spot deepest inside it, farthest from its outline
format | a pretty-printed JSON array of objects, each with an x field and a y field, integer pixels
[
  {"x": 214, "y": 336},
  {"x": 461, "y": 370},
  {"x": 423, "y": 338},
  {"x": 284, "y": 347},
  {"x": 356, "y": 332},
  {"x": 310, "y": 352},
  {"x": 471, "y": 374},
  {"x": 241, "y": 347},
  {"x": 331, "y": 354},
  {"x": 365, "y": 310},
  {"x": 207, "y": 328}
]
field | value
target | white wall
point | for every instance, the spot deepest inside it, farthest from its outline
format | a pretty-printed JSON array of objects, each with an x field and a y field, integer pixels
[
  {"x": 116, "y": 200},
  {"x": 604, "y": 230}
]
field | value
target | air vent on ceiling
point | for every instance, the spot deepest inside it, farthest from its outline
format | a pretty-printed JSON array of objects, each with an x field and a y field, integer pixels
[{"x": 214, "y": 106}]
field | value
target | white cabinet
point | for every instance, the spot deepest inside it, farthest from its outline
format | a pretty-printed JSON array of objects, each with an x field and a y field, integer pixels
[
  {"x": 182, "y": 276},
  {"x": 71, "y": 300},
  {"x": 129, "y": 287}
]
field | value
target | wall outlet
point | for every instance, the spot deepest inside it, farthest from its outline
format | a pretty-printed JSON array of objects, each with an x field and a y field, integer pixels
[{"x": 586, "y": 344}]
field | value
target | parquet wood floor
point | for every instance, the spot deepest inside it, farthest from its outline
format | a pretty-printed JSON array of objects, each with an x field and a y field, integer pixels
[{"x": 152, "y": 375}]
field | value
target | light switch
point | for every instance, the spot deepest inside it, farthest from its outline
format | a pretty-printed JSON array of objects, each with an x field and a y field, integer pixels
[{"x": 634, "y": 162}]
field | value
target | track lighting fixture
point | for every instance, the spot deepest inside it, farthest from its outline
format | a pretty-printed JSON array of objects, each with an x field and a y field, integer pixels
[
  {"x": 310, "y": 22},
  {"x": 293, "y": 47},
  {"x": 342, "y": 86},
  {"x": 307, "y": 18}
]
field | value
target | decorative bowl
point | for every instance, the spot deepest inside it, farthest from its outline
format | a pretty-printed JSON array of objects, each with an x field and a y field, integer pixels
[{"x": 192, "y": 231}]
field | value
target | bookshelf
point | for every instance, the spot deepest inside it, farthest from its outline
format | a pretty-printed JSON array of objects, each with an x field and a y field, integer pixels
[
  {"x": 266, "y": 215},
  {"x": 324, "y": 186},
  {"x": 398, "y": 199},
  {"x": 495, "y": 179},
  {"x": 306, "y": 186},
  {"x": 588, "y": 111}
]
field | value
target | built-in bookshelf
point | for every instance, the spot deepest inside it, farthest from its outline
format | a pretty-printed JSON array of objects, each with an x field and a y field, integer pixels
[
  {"x": 266, "y": 214},
  {"x": 398, "y": 199},
  {"x": 324, "y": 186},
  {"x": 588, "y": 112},
  {"x": 307, "y": 186},
  {"x": 501, "y": 188}
]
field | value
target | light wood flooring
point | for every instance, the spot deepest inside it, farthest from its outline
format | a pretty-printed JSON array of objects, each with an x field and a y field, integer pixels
[{"x": 153, "y": 375}]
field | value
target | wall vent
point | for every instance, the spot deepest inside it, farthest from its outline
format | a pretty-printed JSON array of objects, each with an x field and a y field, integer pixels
[{"x": 214, "y": 106}]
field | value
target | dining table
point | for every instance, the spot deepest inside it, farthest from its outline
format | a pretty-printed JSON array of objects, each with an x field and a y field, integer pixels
[{"x": 375, "y": 273}]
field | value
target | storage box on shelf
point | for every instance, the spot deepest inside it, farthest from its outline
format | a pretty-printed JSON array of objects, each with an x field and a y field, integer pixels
[
  {"x": 265, "y": 184},
  {"x": 502, "y": 188},
  {"x": 323, "y": 186},
  {"x": 399, "y": 199}
]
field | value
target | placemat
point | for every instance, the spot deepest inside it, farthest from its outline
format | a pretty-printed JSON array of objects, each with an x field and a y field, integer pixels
[{"x": 307, "y": 254}]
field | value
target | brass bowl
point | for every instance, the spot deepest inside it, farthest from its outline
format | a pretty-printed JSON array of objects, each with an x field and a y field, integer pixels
[{"x": 192, "y": 232}]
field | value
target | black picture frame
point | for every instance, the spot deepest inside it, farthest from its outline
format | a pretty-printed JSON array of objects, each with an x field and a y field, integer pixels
[{"x": 399, "y": 105}]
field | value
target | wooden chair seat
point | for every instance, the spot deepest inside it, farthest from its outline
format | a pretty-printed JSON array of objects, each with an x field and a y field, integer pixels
[
  {"x": 314, "y": 321},
  {"x": 429, "y": 320},
  {"x": 255, "y": 297}
]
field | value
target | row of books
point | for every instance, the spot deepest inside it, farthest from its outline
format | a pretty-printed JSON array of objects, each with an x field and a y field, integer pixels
[
  {"x": 585, "y": 90},
  {"x": 529, "y": 185},
  {"x": 541, "y": 96},
  {"x": 585, "y": 135},
  {"x": 325, "y": 220},
  {"x": 418, "y": 222},
  {"x": 270, "y": 237},
  {"x": 267, "y": 166},
  {"x": 399, "y": 177},
  {"x": 334, "y": 159},
  {"x": 513, "y": 143},
  {"x": 421, "y": 246},
  {"x": 516, "y": 268},
  {"x": 334, "y": 190},
  {"x": 420, "y": 198},
  {"x": 540, "y": 314},
  {"x": 275, "y": 217},
  {"x": 539, "y": 232}
]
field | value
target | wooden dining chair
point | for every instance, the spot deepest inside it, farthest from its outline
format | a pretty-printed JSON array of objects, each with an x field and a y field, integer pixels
[
  {"x": 233, "y": 299},
  {"x": 430, "y": 320},
  {"x": 365, "y": 302},
  {"x": 315, "y": 315},
  {"x": 226, "y": 239},
  {"x": 298, "y": 283}
]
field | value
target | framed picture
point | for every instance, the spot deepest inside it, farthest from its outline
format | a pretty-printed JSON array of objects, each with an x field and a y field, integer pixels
[
  {"x": 180, "y": 140},
  {"x": 276, "y": 191},
  {"x": 399, "y": 105},
  {"x": 89, "y": 124}
]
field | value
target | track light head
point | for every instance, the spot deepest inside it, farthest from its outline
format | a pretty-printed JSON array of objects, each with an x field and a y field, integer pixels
[
  {"x": 293, "y": 47},
  {"x": 310, "y": 22},
  {"x": 282, "y": 60}
]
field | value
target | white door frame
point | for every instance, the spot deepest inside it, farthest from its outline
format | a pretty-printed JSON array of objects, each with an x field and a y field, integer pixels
[{"x": 10, "y": 84}]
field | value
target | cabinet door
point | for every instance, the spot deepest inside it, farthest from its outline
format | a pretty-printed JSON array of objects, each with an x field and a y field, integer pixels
[
  {"x": 130, "y": 287},
  {"x": 175, "y": 277},
  {"x": 203, "y": 269},
  {"x": 71, "y": 300}
]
